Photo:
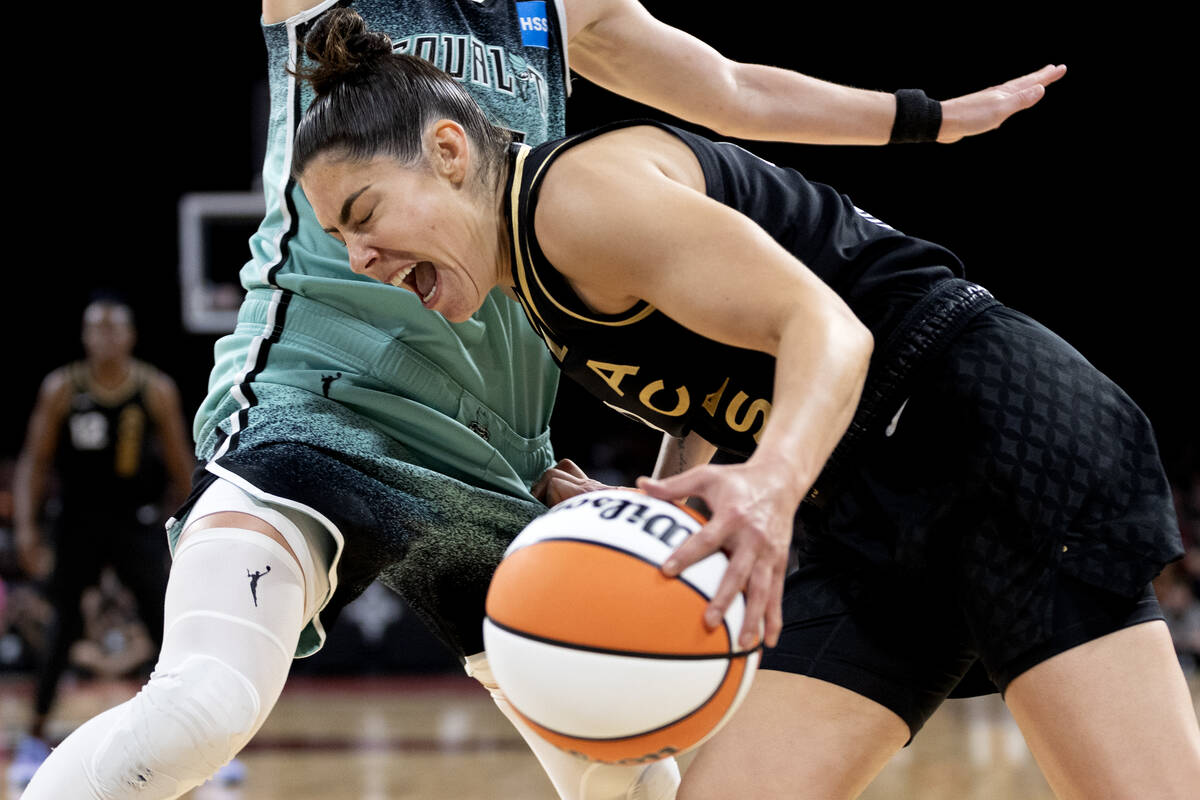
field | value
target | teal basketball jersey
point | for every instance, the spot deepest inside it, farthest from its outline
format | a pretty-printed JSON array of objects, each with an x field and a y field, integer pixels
[{"x": 484, "y": 387}]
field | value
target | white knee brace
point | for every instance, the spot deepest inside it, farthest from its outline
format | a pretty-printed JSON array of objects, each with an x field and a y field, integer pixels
[
  {"x": 183, "y": 726},
  {"x": 573, "y": 777}
]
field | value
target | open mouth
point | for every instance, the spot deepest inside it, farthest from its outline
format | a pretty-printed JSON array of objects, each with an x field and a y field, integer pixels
[{"x": 420, "y": 278}]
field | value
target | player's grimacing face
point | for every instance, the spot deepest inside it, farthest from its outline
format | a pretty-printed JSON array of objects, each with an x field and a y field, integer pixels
[{"x": 403, "y": 226}]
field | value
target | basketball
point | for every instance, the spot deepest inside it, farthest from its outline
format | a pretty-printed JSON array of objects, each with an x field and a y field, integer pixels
[{"x": 600, "y": 652}]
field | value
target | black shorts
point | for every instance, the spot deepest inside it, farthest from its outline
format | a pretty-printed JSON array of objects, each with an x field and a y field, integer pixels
[
  {"x": 87, "y": 538},
  {"x": 1019, "y": 508}
]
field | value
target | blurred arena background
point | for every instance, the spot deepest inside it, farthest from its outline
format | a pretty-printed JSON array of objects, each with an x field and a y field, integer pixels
[{"x": 143, "y": 177}]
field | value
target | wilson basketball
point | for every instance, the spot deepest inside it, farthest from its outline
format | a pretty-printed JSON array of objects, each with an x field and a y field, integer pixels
[{"x": 596, "y": 649}]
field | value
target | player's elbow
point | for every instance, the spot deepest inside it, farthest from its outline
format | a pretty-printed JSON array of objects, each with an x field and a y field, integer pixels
[
  {"x": 735, "y": 105},
  {"x": 858, "y": 336},
  {"x": 849, "y": 343}
]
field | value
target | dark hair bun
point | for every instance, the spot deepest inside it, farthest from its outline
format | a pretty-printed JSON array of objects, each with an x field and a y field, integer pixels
[{"x": 341, "y": 47}]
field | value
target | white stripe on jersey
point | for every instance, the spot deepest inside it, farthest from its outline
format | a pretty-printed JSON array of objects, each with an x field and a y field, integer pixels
[
  {"x": 252, "y": 354},
  {"x": 256, "y": 346},
  {"x": 875, "y": 220},
  {"x": 562, "y": 32}
]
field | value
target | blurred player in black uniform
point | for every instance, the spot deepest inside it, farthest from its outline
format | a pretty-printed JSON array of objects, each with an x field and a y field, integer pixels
[{"x": 111, "y": 428}]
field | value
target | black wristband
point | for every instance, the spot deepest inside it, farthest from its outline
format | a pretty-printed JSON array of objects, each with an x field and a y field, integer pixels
[{"x": 918, "y": 117}]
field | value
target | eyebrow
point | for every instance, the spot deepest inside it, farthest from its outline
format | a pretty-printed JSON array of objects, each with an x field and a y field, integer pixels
[{"x": 346, "y": 208}]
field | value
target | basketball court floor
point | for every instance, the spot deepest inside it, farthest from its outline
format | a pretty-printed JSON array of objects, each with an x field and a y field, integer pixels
[{"x": 439, "y": 737}]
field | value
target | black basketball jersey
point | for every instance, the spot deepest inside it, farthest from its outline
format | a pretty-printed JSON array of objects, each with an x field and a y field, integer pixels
[
  {"x": 645, "y": 364},
  {"x": 107, "y": 460}
]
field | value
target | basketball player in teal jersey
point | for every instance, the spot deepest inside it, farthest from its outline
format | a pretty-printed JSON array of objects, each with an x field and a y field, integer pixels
[{"x": 349, "y": 435}]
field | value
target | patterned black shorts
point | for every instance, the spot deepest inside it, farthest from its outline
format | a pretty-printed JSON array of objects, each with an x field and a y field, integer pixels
[{"x": 1018, "y": 508}]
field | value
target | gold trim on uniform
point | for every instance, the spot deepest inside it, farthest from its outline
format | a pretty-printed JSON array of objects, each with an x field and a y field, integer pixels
[
  {"x": 525, "y": 260},
  {"x": 110, "y": 396},
  {"x": 131, "y": 429}
]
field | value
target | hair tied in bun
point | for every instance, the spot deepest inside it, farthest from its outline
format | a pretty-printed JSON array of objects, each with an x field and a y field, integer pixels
[{"x": 341, "y": 47}]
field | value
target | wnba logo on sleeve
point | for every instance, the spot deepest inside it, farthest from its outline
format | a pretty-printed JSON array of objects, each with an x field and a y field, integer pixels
[{"x": 535, "y": 28}]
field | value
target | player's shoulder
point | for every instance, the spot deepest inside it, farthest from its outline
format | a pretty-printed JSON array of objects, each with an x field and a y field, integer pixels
[
  {"x": 57, "y": 389},
  {"x": 607, "y": 174},
  {"x": 607, "y": 158},
  {"x": 60, "y": 381},
  {"x": 157, "y": 384}
]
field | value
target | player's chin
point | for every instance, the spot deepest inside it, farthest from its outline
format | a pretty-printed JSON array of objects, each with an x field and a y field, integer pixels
[{"x": 459, "y": 312}]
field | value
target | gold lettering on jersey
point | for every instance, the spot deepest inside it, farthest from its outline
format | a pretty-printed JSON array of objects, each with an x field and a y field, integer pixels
[
  {"x": 558, "y": 351},
  {"x": 130, "y": 427},
  {"x": 652, "y": 389},
  {"x": 713, "y": 400},
  {"x": 613, "y": 374},
  {"x": 756, "y": 408}
]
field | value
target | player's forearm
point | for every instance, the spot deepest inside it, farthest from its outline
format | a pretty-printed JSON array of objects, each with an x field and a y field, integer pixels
[
  {"x": 627, "y": 51},
  {"x": 768, "y": 103},
  {"x": 29, "y": 491},
  {"x": 678, "y": 455},
  {"x": 819, "y": 378},
  {"x": 749, "y": 101}
]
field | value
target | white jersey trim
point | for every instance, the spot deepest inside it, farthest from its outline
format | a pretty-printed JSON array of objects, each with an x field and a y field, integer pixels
[
  {"x": 253, "y": 353},
  {"x": 561, "y": 10}
]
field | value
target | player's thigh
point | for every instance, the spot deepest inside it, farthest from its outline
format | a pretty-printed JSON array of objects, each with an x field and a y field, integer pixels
[
  {"x": 1112, "y": 717},
  {"x": 796, "y": 737},
  {"x": 303, "y": 540},
  {"x": 240, "y": 520}
]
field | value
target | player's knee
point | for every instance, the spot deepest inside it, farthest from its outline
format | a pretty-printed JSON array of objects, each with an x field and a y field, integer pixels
[{"x": 181, "y": 728}]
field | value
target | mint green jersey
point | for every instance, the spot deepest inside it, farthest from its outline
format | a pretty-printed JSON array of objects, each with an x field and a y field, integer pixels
[{"x": 470, "y": 400}]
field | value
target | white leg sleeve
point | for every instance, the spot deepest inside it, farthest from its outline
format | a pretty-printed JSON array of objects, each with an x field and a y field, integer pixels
[
  {"x": 235, "y": 607},
  {"x": 573, "y": 777}
]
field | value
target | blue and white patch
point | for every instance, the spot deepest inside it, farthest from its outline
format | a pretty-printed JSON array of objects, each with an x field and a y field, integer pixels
[{"x": 535, "y": 27}]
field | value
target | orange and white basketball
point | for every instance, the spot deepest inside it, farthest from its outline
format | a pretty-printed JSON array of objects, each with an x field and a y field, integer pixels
[{"x": 596, "y": 649}]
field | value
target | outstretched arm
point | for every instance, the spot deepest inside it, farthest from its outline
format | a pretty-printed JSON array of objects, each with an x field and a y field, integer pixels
[
  {"x": 278, "y": 10},
  {"x": 617, "y": 44}
]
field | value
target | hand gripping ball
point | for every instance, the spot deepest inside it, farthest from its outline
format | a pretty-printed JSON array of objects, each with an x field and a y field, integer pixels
[{"x": 596, "y": 649}]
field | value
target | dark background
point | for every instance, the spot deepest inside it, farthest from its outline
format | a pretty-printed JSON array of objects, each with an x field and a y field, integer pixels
[{"x": 1065, "y": 212}]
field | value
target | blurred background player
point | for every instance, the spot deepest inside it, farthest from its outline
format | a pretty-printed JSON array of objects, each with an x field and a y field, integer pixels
[{"x": 111, "y": 430}]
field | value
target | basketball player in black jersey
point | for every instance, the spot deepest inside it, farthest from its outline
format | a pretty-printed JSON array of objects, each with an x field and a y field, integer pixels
[
  {"x": 112, "y": 430},
  {"x": 975, "y": 492}
]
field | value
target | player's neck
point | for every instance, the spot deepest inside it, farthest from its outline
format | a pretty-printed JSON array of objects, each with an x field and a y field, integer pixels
[
  {"x": 503, "y": 258},
  {"x": 110, "y": 373}
]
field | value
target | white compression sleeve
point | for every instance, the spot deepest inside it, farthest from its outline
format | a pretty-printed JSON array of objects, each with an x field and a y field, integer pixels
[
  {"x": 573, "y": 777},
  {"x": 235, "y": 606}
]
